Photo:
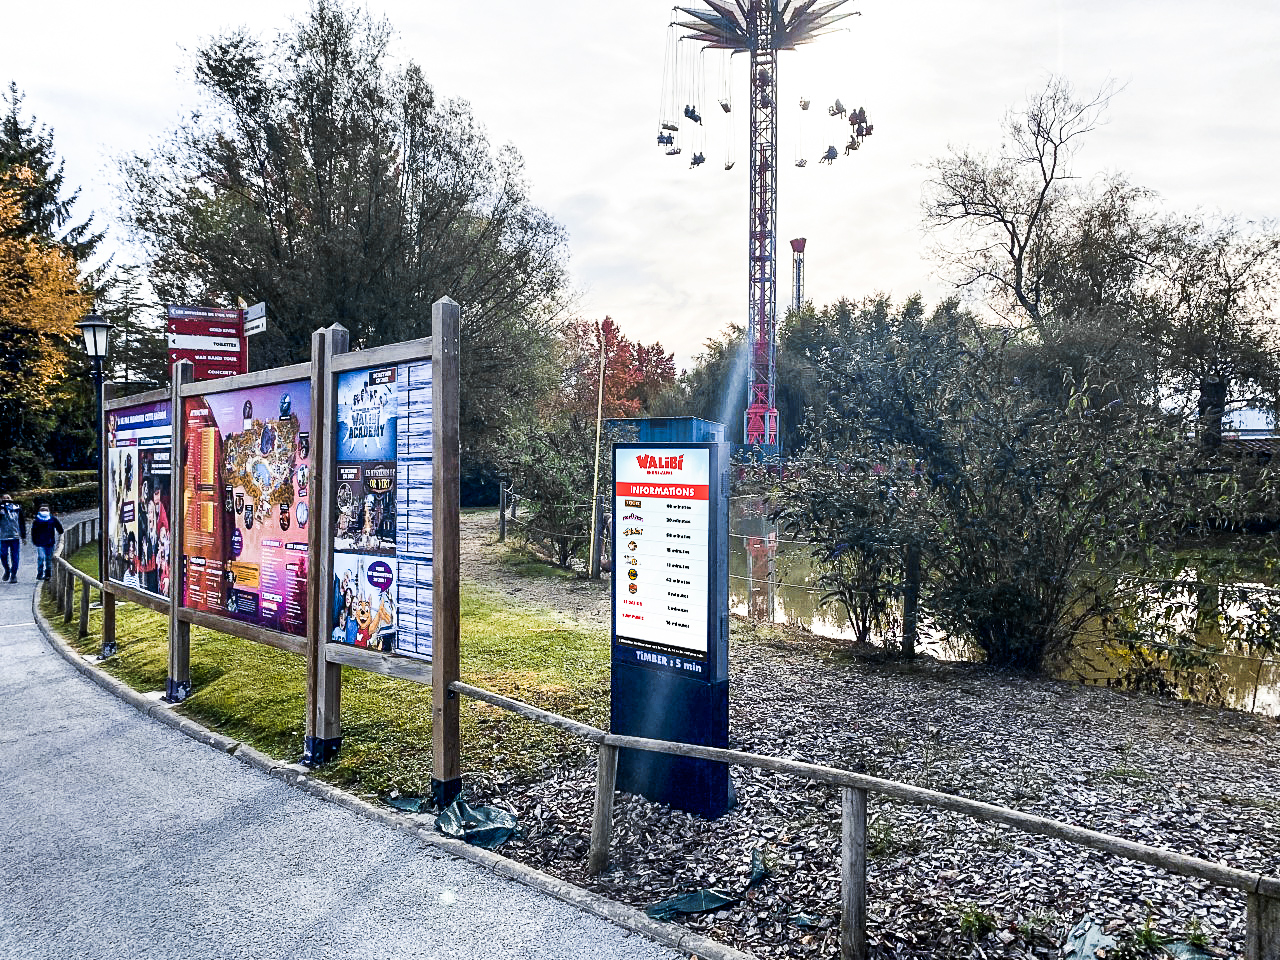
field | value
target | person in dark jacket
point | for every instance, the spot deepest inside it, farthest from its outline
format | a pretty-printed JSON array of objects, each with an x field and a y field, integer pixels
[
  {"x": 45, "y": 530},
  {"x": 12, "y": 524}
]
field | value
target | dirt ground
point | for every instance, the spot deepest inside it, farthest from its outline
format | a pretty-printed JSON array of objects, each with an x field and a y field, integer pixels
[{"x": 1197, "y": 780}]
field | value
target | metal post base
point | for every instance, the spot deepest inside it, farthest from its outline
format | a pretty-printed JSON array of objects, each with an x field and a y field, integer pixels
[
  {"x": 444, "y": 792},
  {"x": 176, "y": 692},
  {"x": 318, "y": 750}
]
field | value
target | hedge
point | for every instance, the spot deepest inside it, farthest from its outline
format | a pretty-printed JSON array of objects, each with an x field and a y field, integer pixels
[{"x": 82, "y": 496}]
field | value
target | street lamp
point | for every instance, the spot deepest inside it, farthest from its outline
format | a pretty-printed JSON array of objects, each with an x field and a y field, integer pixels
[{"x": 96, "y": 344}]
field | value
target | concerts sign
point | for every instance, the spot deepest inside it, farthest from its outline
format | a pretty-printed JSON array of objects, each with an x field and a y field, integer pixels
[
  {"x": 210, "y": 337},
  {"x": 663, "y": 537}
]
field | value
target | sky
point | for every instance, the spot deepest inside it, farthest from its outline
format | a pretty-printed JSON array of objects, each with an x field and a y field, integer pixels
[{"x": 576, "y": 86}]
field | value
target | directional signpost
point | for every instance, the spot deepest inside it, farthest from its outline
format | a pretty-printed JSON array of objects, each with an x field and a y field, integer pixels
[
  {"x": 211, "y": 338},
  {"x": 255, "y": 319}
]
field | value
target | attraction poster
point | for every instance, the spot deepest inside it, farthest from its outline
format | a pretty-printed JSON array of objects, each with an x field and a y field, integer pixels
[
  {"x": 138, "y": 485},
  {"x": 247, "y": 500},
  {"x": 382, "y": 528},
  {"x": 364, "y": 601}
]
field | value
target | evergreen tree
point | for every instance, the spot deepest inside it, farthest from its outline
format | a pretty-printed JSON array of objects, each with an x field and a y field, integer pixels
[{"x": 43, "y": 211}]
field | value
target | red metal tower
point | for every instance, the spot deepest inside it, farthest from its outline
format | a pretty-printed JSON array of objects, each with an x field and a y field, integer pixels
[
  {"x": 797, "y": 273},
  {"x": 761, "y": 28}
]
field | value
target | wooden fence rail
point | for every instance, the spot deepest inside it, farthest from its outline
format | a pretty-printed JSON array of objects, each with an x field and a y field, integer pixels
[
  {"x": 1262, "y": 935},
  {"x": 1263, "y": 920}
]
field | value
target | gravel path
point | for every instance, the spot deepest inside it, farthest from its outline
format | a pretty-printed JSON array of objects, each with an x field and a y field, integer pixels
[
  {"x": 122, "y": 838},
  {"x": 1201, "y": 781}
]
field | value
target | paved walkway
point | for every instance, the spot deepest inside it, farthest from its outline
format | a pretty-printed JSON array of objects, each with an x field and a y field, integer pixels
[{"x": 122, "y": 838}]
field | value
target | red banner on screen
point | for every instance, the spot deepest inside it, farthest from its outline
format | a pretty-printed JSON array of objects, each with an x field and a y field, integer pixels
[{"x": 668, "y": 491}]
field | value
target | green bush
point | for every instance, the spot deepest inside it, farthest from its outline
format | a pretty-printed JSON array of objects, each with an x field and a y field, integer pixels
[
  {"x": 61, "y": 479},
  {"x": 81, "y": 496}
]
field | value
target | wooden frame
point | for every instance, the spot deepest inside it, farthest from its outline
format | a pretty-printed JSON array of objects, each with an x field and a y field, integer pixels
[
  {"x": 182, "y": 617},
  {"x": 329, "y": 359}
]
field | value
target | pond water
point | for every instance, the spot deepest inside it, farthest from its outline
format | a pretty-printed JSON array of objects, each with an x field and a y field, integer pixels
[{"x": 772, "y": 578}]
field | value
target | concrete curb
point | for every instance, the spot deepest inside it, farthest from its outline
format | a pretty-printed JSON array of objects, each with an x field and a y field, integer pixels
[{"x": 421, "y": 827}]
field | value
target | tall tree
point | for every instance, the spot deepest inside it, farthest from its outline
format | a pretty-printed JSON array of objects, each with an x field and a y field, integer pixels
[
  {"x": 40, "y": 303},
  {"x": 44, "y": 211},
  {"x": 1090, "y": 271},
  {"x": 318, "y": 178},
  {"x": 1030, "y": 514}
]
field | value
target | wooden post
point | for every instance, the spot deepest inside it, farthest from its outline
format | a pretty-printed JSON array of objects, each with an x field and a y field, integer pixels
[
  {"x": 108, "y": 620},
  {"x": 1262, "y": 934},
  {"x": 910, "y": 600},
  {"x": 84, "y": 609},
  {"x": 502, "y": 510},
  {"x": 853, "y": 874},
  {"x": 602, "y": 817},
  {"x": 178, "y": 683},
  {"x": 324, "y": 679},
  {"x": 445, "y": 746}
]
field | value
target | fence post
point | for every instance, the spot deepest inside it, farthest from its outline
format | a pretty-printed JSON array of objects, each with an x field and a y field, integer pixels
[
  {"x": 602, "y": 816},
  {"x": 1262, "y": 935},
  {"x": 910, "y": 601},
  {"x": 177, "y": 684},
  {"x": 446, "y": 764},
  {"x": 84, "y": 609},
  {"x": 322, "y": 738},
  {"x": 108, "y": 624},
  {"x": 502, "y": 510},
  {"x": 853, "y": 874}
]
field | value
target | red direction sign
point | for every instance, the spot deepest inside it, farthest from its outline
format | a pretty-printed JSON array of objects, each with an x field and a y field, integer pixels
[{"x": 211, "y": 338}]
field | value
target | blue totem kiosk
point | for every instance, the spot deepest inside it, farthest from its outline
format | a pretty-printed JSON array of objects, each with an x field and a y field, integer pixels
[{"x": 670, "y": 677}]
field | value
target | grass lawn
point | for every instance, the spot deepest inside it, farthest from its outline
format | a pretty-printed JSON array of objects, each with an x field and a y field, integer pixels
[{"x": 256, "y": 693}]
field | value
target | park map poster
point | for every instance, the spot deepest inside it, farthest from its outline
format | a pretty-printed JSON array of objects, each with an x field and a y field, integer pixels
[
  {"x": 382, "y": 560},
  {"x": 247, "y": 504},
  {"x": 138, "y": 484}
]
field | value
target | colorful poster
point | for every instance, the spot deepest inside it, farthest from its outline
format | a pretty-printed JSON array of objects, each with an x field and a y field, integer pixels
[
  {"x": 138, "y": 486},
  {"x": 247, "y": 500},
  {"x": 382, "y": 529}
]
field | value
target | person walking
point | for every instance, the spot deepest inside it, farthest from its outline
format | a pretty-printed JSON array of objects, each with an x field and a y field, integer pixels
[
  {"x": 45, "y": 531},
  {"x": 12, "y": 525}
]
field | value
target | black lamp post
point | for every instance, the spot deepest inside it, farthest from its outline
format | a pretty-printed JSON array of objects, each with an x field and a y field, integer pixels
[{"x": 96, "y": 344}]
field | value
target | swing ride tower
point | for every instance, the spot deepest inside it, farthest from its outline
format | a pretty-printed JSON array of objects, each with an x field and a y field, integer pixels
[{"x": 761, "y": 29}]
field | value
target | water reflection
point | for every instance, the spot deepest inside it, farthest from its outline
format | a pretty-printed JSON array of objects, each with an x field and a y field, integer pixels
[{"x": 772, "y": 578}]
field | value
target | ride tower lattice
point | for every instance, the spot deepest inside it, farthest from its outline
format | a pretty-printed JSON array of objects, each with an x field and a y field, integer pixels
[{"x": 761, "y": 28}]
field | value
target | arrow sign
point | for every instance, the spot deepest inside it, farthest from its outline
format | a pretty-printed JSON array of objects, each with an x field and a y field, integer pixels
[{"x": 255, "y": 319}]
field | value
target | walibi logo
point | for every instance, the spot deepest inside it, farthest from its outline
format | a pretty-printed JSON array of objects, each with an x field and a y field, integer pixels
[{"x": 649, "y": 462}]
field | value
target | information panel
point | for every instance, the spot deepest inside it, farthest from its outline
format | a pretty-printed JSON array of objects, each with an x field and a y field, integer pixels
[
  {"x": 139, "y": 481},
  {"x": 662, "y": 546},
  {"x": 247, "y": 503},
  {"x": 382, "y": 559}
]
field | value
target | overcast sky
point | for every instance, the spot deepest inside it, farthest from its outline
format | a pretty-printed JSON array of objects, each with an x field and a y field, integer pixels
[{"x": 576, "y": 86}]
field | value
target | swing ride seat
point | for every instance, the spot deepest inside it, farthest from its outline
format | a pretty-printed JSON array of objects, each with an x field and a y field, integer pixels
[
  {"x": 674, "y": 151},
  {"x": 728, "y": 165},
  {"x": 671, "y": 126},
  {"x": 830, "y": 155},
  {"x": 802, "y": 162},
  {"x": 726, "y": 106},
  {"x": 697, "y": 160},
  {"x": 804, "y": 104}
]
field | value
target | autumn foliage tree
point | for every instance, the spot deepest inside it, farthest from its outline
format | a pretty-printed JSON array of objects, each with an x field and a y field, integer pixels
[
  {"x": 551, "y": 461},
  {"x": 40, "y": 302}
]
